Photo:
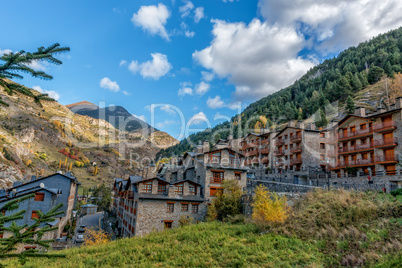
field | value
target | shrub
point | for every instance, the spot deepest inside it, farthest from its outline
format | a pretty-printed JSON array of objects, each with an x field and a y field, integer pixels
[
  {"x": 396, "y": 192},
  {"x": 78, "y": 164},
  {"x": 269, "y": 207},
  {"x": 28, "y": 162},
  {"x": 227, "y": 202},
  {"x": 67, "y": 151},
  {"x": 43, "y": 156},
  {"x": 95, "y": 237},
  {"x": 186, "y": 220}
]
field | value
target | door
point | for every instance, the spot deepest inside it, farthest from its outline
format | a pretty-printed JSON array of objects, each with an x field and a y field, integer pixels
[{"x": 389, "y": 155}]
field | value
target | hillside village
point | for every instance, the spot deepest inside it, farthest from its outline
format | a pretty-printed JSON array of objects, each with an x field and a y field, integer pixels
[{"x": 307, "y": 176}]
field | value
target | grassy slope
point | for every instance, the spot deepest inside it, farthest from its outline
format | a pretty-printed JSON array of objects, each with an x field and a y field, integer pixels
[{"x": 324, "y": 230}]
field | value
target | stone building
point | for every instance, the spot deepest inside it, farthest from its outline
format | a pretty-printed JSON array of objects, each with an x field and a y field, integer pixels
[
  {"x": 181, "y": 189},
  {"x": 366, "y": 146},
  {"x": 49, "y": 191},
  {"x": 258, "y": 149}
]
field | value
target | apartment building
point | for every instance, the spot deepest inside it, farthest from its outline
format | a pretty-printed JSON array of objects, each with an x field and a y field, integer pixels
[
  {"x": 366, "y": 144},
  {"x": 258, "y": 149}
]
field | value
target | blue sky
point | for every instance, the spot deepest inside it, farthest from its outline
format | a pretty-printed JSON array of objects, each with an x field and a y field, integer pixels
[{"x": 206, "y": 58}]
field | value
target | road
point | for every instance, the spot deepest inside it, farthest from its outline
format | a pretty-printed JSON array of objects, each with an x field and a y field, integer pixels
[{"x": 90, "y": 221}]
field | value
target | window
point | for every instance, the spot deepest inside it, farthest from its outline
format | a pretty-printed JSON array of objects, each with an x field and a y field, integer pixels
[
  {"x": 322, "y": 145},
  {"x": 184, "y": 207},
  {"x": 161, "y": 189},
  {"x": 238, "y": 176},
  {"x": 39, "y": 196},
  {"x": 322, "y": 135},
  {"x": 170, "y": 207},
  {"x": 217, "y": 176},
  {"x": 34, "y": 215},
  {"x": 192, "y": 189},
  {"x": 147, "y": 187},
  {"x": 194, "y": 208},
  {"x": 179, "y": 189},
  {"x": 168, "y": 224}
]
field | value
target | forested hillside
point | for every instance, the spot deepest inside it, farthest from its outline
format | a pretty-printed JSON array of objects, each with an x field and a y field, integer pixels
[{"x": 333, "y": 80}]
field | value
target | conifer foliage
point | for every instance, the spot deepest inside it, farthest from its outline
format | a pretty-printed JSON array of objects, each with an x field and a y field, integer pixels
[
  {"x": 21, "y": 62},
  {"x": 25, "y": 234}
]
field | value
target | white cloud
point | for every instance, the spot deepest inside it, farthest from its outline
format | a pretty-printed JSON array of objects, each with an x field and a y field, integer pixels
[
  {"x": 152, "y": 19},
  {"x": 335, "y": 24},
  {"x": 165, "y": 123},
  {"x": 258, "y": 58},
  {"x": 126, "y": 93},
  {"x": 168, "y": 109},
  {"x": 185, "y": 91},
  {"x": 198, "y": 14},
  {"x": 53, "y": 94},
  {"x": 198, "y": 119},
  {"x": 37, "y": 66},
  {"x": 123, "y": 63},
  {"x": 141, "y": 117},
  {"x": 215, "y": 103},
  {"x": 225, "y": 1},
  {"x": 105, "y": 82},
  {"x": 186, "y": 9},
  {"x": 202, "y": 88},
  {"x": 186, "y": 30},
  {"x": 207, "y": 76},
  {"x": 155, "y": 68}
]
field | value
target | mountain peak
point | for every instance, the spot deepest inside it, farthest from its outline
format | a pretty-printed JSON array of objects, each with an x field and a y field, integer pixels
[{"x": 82, "y": 105}]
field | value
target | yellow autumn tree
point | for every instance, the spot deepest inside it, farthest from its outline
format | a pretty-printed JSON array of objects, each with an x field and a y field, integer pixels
[
  {"x": 95, "y": 237},
  {"x": 263, "y": 120},
  {"x": 269, "y": 207},
  {"x": 60, "y": 164}
]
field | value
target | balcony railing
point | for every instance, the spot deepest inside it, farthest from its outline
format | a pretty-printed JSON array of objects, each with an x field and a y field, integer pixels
[
  {"x": 296, "y": 161},
  {"x": 295, "y": 149},
  {"x": 355, "y": 133},
  {"x": 279, "y": 153},
  {"x": 357, "y": 147},
  {"x": 265, "y": 151},
  {"x": 266, "y": 141},
  {"x": 253, "y": 152},
  {"x": 384, "y": 126},
  {"x": 216, "y": 180},
  {"x": 296, "y": 137},
  {"x": 386, "y": 158},
  {"x": 280, "y": 142},
  {"x": 246, "y": 145},
  {"x": 386, "y": 142}
]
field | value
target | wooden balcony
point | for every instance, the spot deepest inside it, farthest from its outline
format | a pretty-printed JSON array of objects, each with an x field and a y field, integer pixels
[
  {"x": 386, "y": 159},
  {"x": 252, "y": 153},
  {"x": 296, "y": 161},
  {"x": 357, "y": 148},
  {"x": 279, "y": 153},
  {"x": 387, "y": 142},
  {"x": 280, "y": 142},
  {"x": 296, "y": 138},
  {"x": 355, "y": 134},
  {"x": 216, "y": 180},
  {"x": 249, "y": 145},
  {"x": 385, "y": 126},
  {"x": 265, "y": 151},
  {"x": 296, "y": 149}
]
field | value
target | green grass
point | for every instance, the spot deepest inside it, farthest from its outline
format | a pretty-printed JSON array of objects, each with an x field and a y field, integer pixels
[{"x": 212, "y": 244}]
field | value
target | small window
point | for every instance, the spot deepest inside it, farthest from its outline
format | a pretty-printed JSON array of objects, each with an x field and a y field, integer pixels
[
  {"x": 322, "y": 135},
  {"x": 214, "y": 190},
  {"x": 39, "y": 196},
  {"x": 170, "y": 207},
  {"x": 34, "y": 215},
  {"x": 322, "y": 145},
  {"x": 194, "y": 208},
  {"x": 161, "y": 189},
  {"x": 238, "y": 176},
  {"x": 192, "y": 189},
  {"x": 147, "y": 187},
  {"x": 184, "y": 207},
  {"x": 179, "y": 189},
  {"x": 168, "y": 224}
]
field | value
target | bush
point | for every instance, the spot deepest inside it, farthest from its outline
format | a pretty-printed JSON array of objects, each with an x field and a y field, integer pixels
[
  {"x": 186, "y": 220},
  {"x": 43, "y": 156},
  {"x": 269, "y": 207},
  {"x": 396, "y": 192},
  {"x": 78, "y": 164},
  {"x": 227, "y": 202}
]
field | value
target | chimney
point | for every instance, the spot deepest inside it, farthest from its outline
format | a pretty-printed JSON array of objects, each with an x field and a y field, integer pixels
[
  {"x": 398, "y": 103},
  {"x": 360, "y": 111},
  {"x": 381, "y": 110},
  {"x": 205, "y": 146}
]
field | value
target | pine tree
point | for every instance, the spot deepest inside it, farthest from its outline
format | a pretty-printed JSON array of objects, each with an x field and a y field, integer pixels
[
  {"x": 322, "y": 120},
  {"x": 375, "y": 74},
  {"x": 24, "y": 234},
  {"x": 350, "y": 105},
  {"x": 19, "y": 62}
]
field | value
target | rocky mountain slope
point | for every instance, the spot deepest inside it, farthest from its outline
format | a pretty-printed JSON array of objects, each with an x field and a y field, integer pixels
[{"x": 41, "y": 141}]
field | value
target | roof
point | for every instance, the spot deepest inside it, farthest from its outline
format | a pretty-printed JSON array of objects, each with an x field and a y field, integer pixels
[
  {"x": 65, "y": 176},
  {"x": 89, "y": 206},
  {"x": 218, "y": 150},
  {"x": 176, "y": 182},
  {"x": 165, "y": 197},
  {"x": 346, "y": 118},
  {"x": 305, "y": 129},
  {"x": 29, "y": 191}
]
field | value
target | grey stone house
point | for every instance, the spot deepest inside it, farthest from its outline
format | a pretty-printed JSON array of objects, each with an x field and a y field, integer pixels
[{"x": 49, "y": 191}]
